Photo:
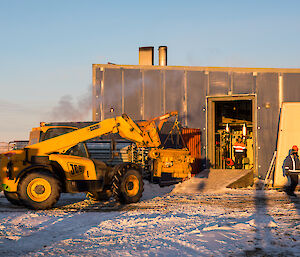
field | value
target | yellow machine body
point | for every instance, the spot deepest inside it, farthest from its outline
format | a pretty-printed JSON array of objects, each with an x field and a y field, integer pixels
[
  {"x": 9, "y": 181},
  {"x": 75, "y": 168},
  {"x": 52, "y": 154},
  {"x": 172, "y": 163}
]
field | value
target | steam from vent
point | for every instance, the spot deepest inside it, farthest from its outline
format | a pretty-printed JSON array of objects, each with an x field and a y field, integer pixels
[{"x": 69, "y": 109}]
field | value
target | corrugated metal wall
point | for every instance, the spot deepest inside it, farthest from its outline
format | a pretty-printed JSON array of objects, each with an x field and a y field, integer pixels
[
  {"x": 144, "y": 92},
  {"x": 243, "y": 83},
  {"x": 174, "y": 91},
  {"x": 133, "y": 92},
  {"x": 152, "y": 95},
  {"x": 291, "y": 89},
  {"x": 267, "y": 118},
  {"x": 218, "y": 83},
  {"x": 196, "y": 105}
]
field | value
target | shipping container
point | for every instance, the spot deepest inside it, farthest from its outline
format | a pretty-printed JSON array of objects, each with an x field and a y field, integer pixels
[{"x": 192, "y": 139}]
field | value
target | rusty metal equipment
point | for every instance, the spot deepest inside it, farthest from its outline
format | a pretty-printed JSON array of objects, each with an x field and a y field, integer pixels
[{"x": 170, "y": 165}]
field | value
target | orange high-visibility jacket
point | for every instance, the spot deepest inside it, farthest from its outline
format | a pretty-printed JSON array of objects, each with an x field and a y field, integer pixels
[{"x": 239, "y": 147}]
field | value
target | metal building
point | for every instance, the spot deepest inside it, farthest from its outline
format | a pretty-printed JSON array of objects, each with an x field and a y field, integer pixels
[{"x": 223, "y": 102}]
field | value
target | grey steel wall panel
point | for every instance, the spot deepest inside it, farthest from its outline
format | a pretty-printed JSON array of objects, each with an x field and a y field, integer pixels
[
  {"x": 196, "y": 98},
  {"x": 152, "y": 93},
  {"x": 174, "y": 91},
  {"x": 97, "y": 99},
  {"x": 218, "y": 83},
  {"x": 99, "y": 78},
  {"x": 112, "y": 93},
  {"x": 242, "y": 83},
  {"x": 291, "y": 88},
  {"x": 267, "y": 118},
  {"x": 133, "y": 93},
  {"x": 196, "y": 105}
]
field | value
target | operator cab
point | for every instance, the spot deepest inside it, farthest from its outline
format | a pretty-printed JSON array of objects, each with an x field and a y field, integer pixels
[{"x": 45, "y": 132}]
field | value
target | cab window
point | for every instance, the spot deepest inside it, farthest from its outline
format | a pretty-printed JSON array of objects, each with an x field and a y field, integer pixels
[
  {"x": 55, "y": 132},
  {"x": 78, "y": 150}
]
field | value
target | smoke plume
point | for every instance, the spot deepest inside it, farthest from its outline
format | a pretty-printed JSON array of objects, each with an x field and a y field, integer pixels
[{"x": 69, "y": 109}]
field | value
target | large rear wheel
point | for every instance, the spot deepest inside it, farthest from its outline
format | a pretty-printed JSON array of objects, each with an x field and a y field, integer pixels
[
  {"x": 39, "y": 190},
  {"x": 13, "y": 198},
  {"x": 128, "y": 185}
]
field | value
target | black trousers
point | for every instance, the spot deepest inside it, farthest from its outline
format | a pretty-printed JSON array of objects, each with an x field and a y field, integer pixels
[
  {"x": 238, "y": 160},
  {"x": 294, "y": 182}
]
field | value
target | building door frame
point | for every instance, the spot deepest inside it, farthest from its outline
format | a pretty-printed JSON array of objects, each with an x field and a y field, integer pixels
[{"x": 210, "y": 120}]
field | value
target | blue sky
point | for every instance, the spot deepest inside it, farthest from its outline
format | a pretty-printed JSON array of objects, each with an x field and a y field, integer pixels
[{"x": 48, "y": 47}]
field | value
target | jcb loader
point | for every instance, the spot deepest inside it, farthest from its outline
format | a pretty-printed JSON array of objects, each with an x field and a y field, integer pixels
[{"x": 36, "y": 175}]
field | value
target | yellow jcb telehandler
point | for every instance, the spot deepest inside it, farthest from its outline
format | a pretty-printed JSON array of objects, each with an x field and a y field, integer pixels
[{"x": 36, "y": 175}]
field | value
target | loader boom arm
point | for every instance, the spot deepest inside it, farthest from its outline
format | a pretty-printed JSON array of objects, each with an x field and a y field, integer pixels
[{"x": 123, "y": 125}]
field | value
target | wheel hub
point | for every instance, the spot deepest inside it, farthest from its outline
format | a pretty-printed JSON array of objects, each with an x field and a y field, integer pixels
[
  {"x": 39, "y": 189},
  {"x": 132, "y": 185}
]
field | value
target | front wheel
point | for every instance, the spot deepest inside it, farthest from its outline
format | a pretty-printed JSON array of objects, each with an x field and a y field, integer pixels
[
  {"x": 39, "y": 190},
  {"x": 128, "y": 185},
  {"x": 13, "y": 198}
]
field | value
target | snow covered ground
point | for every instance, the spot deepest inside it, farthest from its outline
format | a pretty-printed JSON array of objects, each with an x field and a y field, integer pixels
[{"x": 228, "y": 223}]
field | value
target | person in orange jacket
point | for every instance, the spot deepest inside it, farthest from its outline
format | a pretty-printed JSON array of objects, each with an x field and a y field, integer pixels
[
  {"x": 292, "y": 163},
  {"x": 239, "y": 152}
]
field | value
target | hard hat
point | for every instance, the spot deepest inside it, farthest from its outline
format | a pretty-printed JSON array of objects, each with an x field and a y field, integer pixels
[{"x": 295, "y": 148}]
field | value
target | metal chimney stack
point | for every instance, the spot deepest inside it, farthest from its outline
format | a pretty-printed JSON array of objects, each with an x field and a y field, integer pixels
[
  {"x": 162, "y": 56},
  {"x": 146, "y": 55}
]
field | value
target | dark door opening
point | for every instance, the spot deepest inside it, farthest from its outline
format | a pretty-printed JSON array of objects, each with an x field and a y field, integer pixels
[{"x": 233, "y": 134}]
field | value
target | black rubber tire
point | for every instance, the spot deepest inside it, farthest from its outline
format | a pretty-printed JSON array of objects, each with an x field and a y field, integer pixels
[
  {"x": 13, "y": 198},
  {"x": 100, "y": 196},
  {"x": 122, "y": 172},
  {"x": 50, "y": 201}
]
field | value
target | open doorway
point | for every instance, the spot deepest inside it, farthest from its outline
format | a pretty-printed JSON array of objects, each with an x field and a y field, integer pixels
[{"x": 232, "y": 133}]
